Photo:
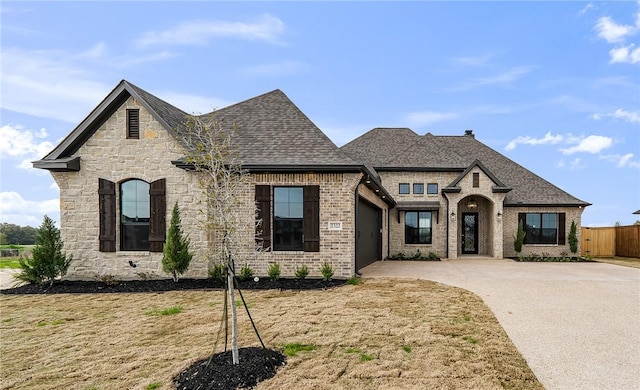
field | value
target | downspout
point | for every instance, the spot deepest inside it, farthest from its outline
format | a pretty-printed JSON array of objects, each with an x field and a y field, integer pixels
[
  {"x": 388, "y": 232},
  {"x": 447, "y": 238},
  {"x": 355, "y": 231}
]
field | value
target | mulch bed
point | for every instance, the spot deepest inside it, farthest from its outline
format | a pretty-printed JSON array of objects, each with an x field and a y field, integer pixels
[
  {"x": 134, "y": 286},
  {"x": 255, "y": 365}
]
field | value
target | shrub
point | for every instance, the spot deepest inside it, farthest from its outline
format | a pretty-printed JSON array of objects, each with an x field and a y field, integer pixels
[
  {"x": 519, "y": 238},
  {"x": 176, "y": 256},
  {"x": 47, "y": 261},
  {"x": 573, "y": 237},
  {"x": 218, "y": 271},
  {"x": 354, "y": 281},
  {"x": 302, "y": 272},
  {"x": 327, "y": 271},
  {"x": 246, "y": 272},
  {"x": 432, "y": 256},
  {"x": 273, "y": 271}
]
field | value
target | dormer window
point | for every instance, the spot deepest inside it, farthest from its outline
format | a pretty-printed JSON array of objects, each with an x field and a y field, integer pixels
[{"x": 133, "y": 124}]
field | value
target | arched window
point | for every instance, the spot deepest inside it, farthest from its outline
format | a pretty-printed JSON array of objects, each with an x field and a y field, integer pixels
[{"x": 134, "y": 215}]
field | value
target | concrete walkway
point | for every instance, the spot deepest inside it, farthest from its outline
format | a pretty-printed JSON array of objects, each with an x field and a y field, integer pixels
[
  {"x": 6, "y": 278},
  {"x": 576, "y": 324}
]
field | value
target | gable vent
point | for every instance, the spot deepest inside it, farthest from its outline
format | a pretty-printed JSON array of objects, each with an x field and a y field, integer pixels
[{"x": 133, "y": 124}]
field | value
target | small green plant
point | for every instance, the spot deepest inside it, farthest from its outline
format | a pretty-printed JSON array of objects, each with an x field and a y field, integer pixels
[
  {"x": 164, "y": 312},
  {"x": 48, "y": 262},
  {"x": 153, "y": 386},
  {"x": 470, "y": 339},
  {"x": 354, "y": 281},
  {"x": 218, "y": 271},
  {"x": 406, "y": 348},
  {"x": 293, "y": 348},
  {"x": 175, "y": 253},
  {"x": 365, "y": 357},
  {"x": 519, "y": 238},
  {"x": 433, "y": 256},
  {"x": 302, "y": 272},
  {"x": 573, "y": 237},
  {"x": 273, "y": 272},
  {"x": 327, "y": 271},
  {"x": 246, "y": 273},
  {"x": 353, "y": 350}
]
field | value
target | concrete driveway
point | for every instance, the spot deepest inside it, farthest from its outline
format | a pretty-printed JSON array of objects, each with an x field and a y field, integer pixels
[{"x": 576, "y": 324}]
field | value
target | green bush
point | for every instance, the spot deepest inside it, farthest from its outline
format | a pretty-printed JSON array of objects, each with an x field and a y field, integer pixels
[
  {"x": 519, "y": 238},
  {"x": 327, "y": 271},
  {"x": 176, "y": 255},
  {"x": 273, "y": 271},
  {"x": 47, "y": 262},
  {"x": 218, "y": 271},
  {"x": 302, "y": 272},
  {"x": 246, "y": 273},
  {"x": 573, "y": 237}
]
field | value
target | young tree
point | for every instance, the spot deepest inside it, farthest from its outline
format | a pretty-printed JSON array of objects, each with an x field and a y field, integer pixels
[
  {"x": 47, "y": 261},
  {"x": 176, "y": 255},
  {"x": 519, "y": 238},
  {"x": 223, "y": 182},
  {"x": 573, "y": 237}
]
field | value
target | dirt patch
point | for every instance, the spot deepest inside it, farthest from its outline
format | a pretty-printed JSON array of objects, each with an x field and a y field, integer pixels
[
  {"x": 380, "y": 334},
  {"x": 625, "y": 261}
]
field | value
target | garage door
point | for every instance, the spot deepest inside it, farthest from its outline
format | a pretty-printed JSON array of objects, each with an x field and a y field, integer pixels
[{"x": 368, "y": 234}]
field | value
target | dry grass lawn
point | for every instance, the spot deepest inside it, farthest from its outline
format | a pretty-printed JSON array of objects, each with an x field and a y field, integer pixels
[
  {"x": 626, "y": 261},
  {"x": 382, "y": 334}
]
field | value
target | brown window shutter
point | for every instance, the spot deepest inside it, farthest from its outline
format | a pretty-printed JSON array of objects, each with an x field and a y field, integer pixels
[
  {"x": 561, "y": 229},
  {"x": 263, "y": 202},
  {"x": 133, "y": 124},
  {"x": 158, "y": 220},
  {"x": 107, "y": 211},
  {"x": 311, "y": 224}
]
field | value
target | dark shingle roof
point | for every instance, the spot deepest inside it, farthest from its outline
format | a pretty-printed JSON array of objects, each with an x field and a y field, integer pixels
[{"x": 402, "y": 149}]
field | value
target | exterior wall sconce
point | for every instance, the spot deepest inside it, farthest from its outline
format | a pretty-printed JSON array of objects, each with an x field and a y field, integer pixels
[
  {"x": 499, "y": 215},
  {"x": 472, "y": 204},
  {"x": 453, "y": 216}
]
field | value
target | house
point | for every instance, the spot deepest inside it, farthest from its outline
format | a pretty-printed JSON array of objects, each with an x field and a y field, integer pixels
[{"x": 388, "y": 191}]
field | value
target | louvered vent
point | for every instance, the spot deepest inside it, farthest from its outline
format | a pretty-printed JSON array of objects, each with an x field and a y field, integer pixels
[{"x": 133, "y": 124}]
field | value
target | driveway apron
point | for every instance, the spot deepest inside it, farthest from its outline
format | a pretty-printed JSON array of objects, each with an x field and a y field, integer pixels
[{"x": 576, "y": 324}]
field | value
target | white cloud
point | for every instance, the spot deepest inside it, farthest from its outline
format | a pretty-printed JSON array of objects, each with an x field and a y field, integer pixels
[
  {"x": 283, "y": 68},
  {"x": 27, "y": 145},
  {"x": 611, "y": 31},
  {"x": 526, "y": 140},
  {"x": 592, "y": 144},
  {"x": 586, "y": 8},
  {"x": 506, "y": 77},
  {"x": 17, "y": 210},
  {"x": 424, "y": 118},
  {"x": 194, "y": 104},
  {"x": 473, "y": 61},
  {"x": 625, "y": 54},
  {"x": 628, "y": 116},
  {"x": 267, "y": 28},
  {"x": 622, "y": 161}
]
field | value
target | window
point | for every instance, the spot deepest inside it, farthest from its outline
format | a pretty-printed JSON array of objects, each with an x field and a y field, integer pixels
[
  {"x": 432, "y": 188},
  {"x": 288, "y": 218},
  {"x": 134, "y": 215},
  {"x": 476, "y": 180},
  {"x": 543, "y": 228},
  {"x": 296, "y": 218},
  {"x": 418, "y": 188},
  {"x": 133, "y": 124},
  {"x": 403, "y": 188},
  {"x": 417, "y": 227}
]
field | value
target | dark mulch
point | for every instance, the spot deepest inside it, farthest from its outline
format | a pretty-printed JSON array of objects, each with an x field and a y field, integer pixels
[
  {"x": 256, "y": 364},
  {"x": 133, "y": 286}
]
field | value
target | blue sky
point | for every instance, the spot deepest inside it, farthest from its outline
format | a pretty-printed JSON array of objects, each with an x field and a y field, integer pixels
[{"x": 554, "y": 86}]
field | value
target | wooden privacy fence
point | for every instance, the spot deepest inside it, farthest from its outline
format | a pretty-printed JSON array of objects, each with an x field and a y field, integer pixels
[{"x": 610, "y": 241}]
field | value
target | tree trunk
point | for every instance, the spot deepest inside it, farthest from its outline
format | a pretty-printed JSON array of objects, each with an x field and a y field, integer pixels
[{"x": 232, "y": 303}]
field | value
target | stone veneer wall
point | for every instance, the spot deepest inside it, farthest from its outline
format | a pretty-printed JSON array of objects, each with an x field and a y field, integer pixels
[
  {"x": 391, "y": 181},
  {"x": 108, "y": 154},
  {"x": 366, "y": 193},
  {"x": 511, "y": 227}
]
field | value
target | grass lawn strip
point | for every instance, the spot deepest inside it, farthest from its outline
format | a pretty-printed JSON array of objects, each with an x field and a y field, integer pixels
[
  {"x": 409, "y": 334},
  {"x": 626, "y": 261}
]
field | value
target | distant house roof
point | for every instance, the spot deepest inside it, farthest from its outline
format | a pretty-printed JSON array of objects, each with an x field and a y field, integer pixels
[
  {"x": 401, "y": 149},
  {"x": 636, "y": 212}
]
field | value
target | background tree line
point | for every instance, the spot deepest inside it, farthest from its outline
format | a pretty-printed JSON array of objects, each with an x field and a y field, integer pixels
[{"x": 11, "y": 234}]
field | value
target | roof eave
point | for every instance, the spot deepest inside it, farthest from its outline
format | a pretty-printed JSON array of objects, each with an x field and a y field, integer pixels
[
  {"x": 71, "y": 164},
  {"x": 577, "y": 204}
]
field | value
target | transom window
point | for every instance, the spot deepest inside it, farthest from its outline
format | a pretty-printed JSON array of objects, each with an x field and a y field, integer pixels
[
  {"x": 418, "y": 188},
  {"x": 288, "y": 218},
  {"x": 417, "y": 227},
  {"x": 403, "y": 188},
  {"x": 432, "y": 188},
  {"x": 541, "y": 228},
  {"x": 134, "y": 215}
]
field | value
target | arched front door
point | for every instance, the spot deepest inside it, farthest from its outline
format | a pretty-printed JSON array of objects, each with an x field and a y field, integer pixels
[{"x": 469, "y": 233}]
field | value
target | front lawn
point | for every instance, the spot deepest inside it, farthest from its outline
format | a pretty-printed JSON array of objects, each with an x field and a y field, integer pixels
[{"x": 378, "y": 334}]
